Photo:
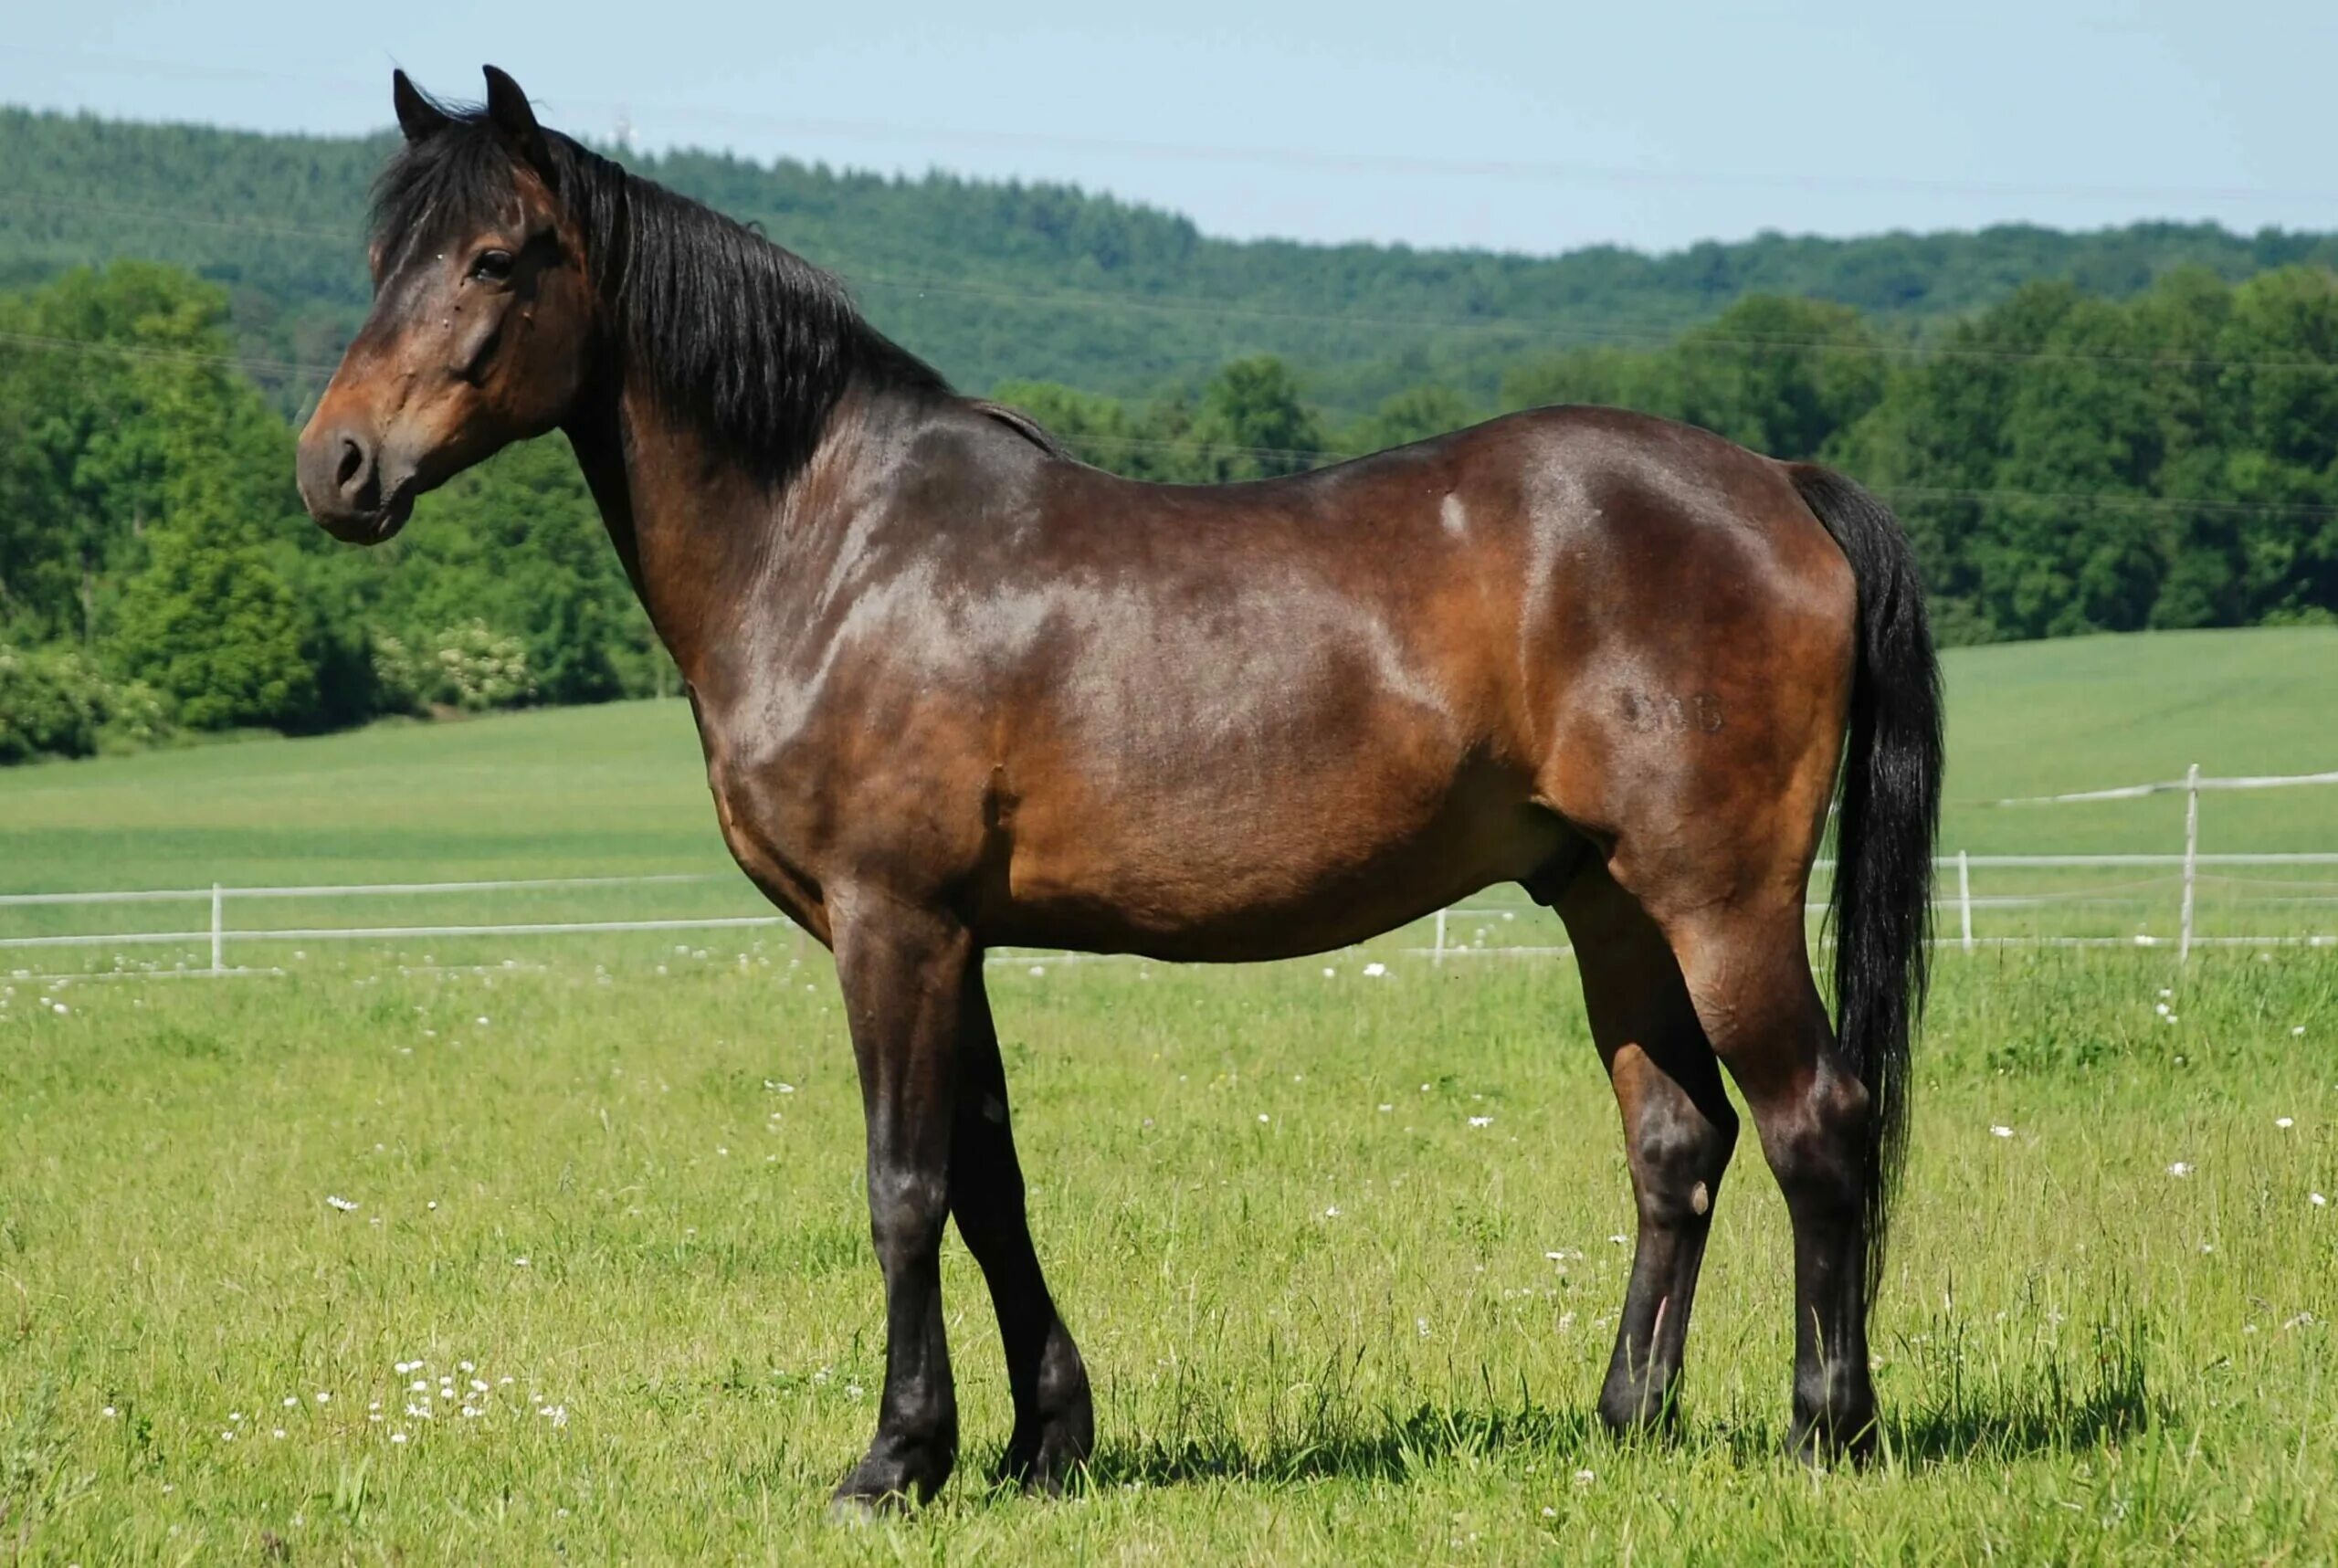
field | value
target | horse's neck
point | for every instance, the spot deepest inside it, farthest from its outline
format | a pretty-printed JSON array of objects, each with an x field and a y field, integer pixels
[{"x": 705, "y": 542}]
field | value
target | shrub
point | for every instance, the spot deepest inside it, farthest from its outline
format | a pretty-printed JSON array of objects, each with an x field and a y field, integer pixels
[
  {"x": 401, "y": 685},
  {"x": 478, "y": 668},
  {"x": 55, "y": 702}
]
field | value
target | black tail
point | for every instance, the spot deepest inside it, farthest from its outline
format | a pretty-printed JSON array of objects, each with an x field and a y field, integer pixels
[{"x": 1887, "y": 820}]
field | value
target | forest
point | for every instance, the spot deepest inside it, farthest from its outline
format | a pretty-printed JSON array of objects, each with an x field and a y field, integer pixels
[{"x": 2130, "y": 429}]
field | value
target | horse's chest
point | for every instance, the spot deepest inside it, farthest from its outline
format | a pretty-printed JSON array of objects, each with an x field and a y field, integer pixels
[{"x": 770, "y": 829}]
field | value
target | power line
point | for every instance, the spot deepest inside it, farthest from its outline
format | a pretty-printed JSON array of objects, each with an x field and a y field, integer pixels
[
  {"x": 152, "y": 351},
  {"x": 1589, "y": 332},
  {"x": 1540, "y": 169},
  {"x": 151, "y": 215},
  {"x": 1688, "y": 338}
]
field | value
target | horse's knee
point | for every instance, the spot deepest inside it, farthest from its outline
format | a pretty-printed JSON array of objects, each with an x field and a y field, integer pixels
[
  {"x": 906, "y": 1213},
  {"x": 1678, "y": 1154}
]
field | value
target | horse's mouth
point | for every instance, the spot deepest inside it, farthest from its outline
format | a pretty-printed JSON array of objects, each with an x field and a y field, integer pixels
[
  {"x": 370, "y": 528},
  {"x": 393, "y": 516}
]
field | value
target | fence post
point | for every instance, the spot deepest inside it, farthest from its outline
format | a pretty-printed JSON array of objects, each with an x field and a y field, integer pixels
[
  {"x": 218, "y": 931},
  {"x": 1438, "y": 955},
  {"x": 1965, "y": 895},
  {"x": 2191, "y": 858}
]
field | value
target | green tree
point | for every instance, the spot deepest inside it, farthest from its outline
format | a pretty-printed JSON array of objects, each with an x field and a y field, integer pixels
[
  {"x": 210, "y": 626},
  {"x": 1252, "y": 422}
]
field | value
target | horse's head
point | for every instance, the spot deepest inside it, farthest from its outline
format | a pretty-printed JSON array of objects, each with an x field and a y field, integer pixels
[{"x": 483, "y": 322}]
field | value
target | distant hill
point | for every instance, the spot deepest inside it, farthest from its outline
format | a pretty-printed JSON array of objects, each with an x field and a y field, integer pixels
[{"x": 1046, "y": 282}]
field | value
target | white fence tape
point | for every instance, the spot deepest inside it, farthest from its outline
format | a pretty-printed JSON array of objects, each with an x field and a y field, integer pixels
[{"x": 218, "y": 935}]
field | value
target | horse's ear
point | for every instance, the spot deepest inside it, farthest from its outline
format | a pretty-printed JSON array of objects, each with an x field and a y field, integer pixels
[
  {"x": 506, "y": 106},
  {"x": 417, "y": 116}
]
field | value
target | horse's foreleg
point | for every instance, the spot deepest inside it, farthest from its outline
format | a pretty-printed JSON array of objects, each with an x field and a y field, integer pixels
[
  {"x": 1055, "y": 1427},
  {"x": 903, "y": 972},
  {"x": 1679, "y": 1131}
]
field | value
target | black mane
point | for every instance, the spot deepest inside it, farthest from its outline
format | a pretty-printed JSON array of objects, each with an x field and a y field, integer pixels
[{"x": 750, "y": 341}]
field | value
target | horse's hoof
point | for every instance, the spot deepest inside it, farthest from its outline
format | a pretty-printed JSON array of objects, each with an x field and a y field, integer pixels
[
  {"x": 855, "y": 1510},
  {"x": 1633, "y": 1417},
  {"x": 1046, "y": 1466},
  {"x": 1816, "y": 1448}
]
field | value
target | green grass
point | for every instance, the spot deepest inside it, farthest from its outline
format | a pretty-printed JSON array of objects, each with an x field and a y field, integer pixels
[{"x": 2084, "y": 1358}]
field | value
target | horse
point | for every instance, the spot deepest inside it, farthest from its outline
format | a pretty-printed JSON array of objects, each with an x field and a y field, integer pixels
[{"x": 956, "y": 689}]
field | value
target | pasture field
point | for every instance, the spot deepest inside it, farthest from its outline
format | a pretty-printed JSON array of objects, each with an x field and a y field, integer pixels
[
  {"x": 1318, "y": 1297},
  {"x": 1339, "y": 1247}
]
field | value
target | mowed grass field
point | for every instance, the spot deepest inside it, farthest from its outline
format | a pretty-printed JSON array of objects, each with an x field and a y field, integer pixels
[{"x": 1341, "y": 1249}]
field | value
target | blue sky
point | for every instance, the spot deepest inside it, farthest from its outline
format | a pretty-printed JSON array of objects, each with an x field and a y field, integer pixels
[{"x": 1526, "y": 127}]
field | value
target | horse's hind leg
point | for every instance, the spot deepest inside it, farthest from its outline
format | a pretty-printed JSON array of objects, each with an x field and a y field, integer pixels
[
  {"x": 1748, "y": 972},
  {"x": 1055, "y": 1426},
  {"x": 1678, "y": 1130}
]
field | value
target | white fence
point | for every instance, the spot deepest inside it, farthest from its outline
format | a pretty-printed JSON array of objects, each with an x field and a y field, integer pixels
[
  {"x": 2050, "y": 900},
  {"x": 2191, "y": 783},
  {"x": 215, "y": 935}
]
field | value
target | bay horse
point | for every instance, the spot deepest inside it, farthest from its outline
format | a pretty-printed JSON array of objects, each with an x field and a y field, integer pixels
[{"x": 956, "y": 689}]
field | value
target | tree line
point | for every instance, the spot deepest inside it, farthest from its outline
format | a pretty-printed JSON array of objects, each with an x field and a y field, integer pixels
[
  {"x": 2065, "y": 463},
  {"x": 997, "y": 280}
]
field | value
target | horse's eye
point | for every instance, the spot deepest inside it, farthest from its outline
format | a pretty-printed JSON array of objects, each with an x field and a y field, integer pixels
[{"x": 495, "y": 266}]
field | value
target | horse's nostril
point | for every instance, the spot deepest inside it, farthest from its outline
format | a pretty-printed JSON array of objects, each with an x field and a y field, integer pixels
[{"x": 352, "y": 463}]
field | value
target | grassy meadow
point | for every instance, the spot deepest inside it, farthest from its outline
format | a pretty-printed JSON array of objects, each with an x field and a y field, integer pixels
[{"x": 1341, "y": 1248}]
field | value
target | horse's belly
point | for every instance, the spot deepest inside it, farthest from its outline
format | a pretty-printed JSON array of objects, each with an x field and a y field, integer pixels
[{"x": 1305, "y": 866}]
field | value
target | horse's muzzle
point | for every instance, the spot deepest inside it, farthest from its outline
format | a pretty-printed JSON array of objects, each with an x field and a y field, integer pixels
[{"x": 342, "y": 484}]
